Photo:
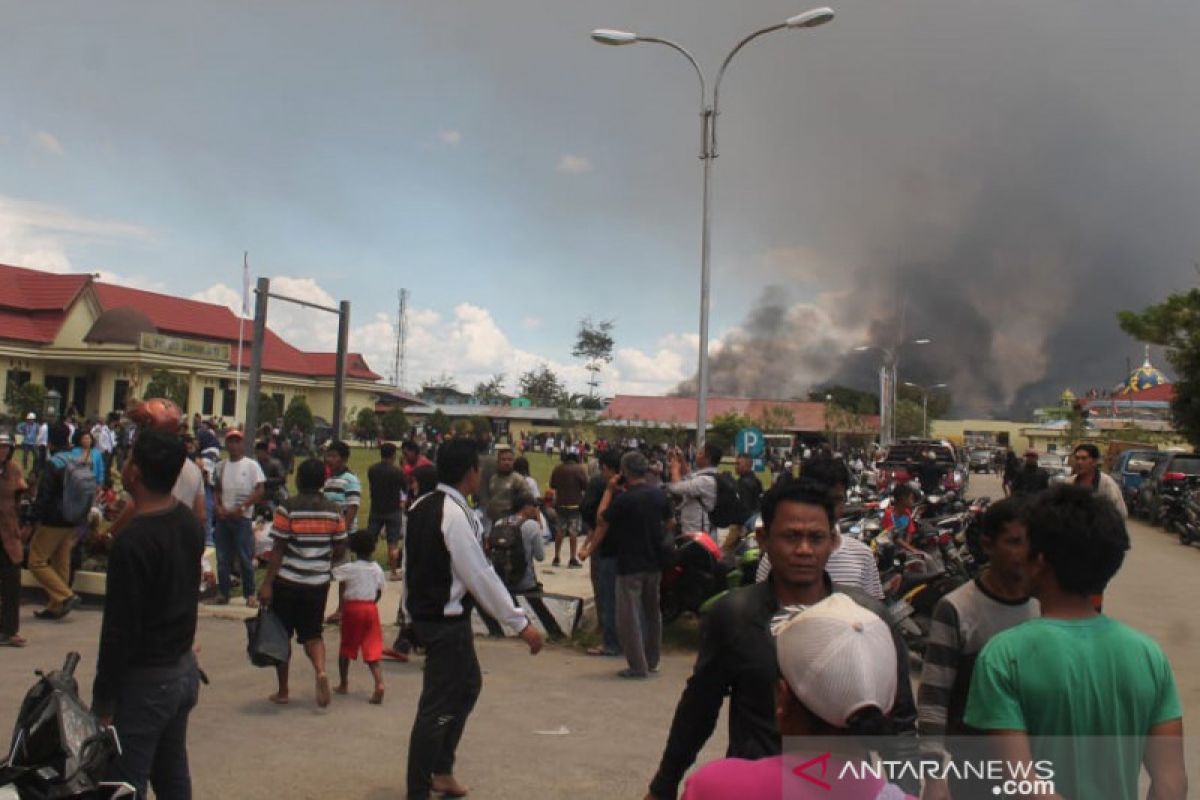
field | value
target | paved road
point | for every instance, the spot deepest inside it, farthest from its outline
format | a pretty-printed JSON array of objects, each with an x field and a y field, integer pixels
[{"x": 556, "y": 725}]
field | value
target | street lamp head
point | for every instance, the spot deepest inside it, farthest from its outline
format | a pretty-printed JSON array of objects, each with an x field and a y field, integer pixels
[
  {"x": 922, "y": 341},
  {"x": 811, "y": 18},
  {"x": 615, "y": 38}
]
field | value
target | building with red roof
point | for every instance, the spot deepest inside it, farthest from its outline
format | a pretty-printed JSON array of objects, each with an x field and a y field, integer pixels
[
  {"x": 96, "y": 344},
  {"x": 801, "y": 419}
]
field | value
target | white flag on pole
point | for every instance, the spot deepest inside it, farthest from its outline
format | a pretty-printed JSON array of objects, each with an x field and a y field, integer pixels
[{"x": 246, "y": 284}]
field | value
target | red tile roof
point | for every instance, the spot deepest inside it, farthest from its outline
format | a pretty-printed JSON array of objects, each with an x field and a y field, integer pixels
[
  {"x": 34, "y": 305},
  {"x": 806, "y": 416},
  {"x": 32, "y": 290},
  {"x": 1163, "y": 394}
]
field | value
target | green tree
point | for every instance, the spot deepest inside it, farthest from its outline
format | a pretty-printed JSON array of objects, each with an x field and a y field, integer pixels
[
  {"x": 268, "y": 410},
  {"x": 436, "y": 389},
  {"x": 1175, "y": 325},
  {"x": 395, "y": 424},
  {"x": 908, "y": 419},
  {"x": 859, "y": 402},
  {"x": 940, "y": 400},
  {"x": 480, "y": 425},
  {"x": 366, "y": 424},
  {"x": 438, "y": 422},
  {"x": 169, "y": 385},
  {"x": 723, "y": 429},
  {"x": 491, "y": 391},
  {"x": 28, "y": 398},
  {"x": 542, "y": 387},
  {"x": 776, "y": 419},
  {"x": 594, "y": 344},
  {"x": 298, "y": 415}
]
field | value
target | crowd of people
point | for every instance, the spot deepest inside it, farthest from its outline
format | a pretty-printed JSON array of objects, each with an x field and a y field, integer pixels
[{"x": 807, "y": 650}]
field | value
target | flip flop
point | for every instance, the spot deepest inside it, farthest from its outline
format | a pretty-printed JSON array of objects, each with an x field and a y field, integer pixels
[
  {"x": 13, "y": 641},
  {"x": 377, "y": 698},
  {"x": 322, "y": 690},
  {"x": 277, "y": 700}
]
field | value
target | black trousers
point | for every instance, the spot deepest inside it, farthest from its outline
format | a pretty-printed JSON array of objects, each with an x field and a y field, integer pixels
[
  {"x": 449, "y": 689},
  {"x": 10, "y": 595}
]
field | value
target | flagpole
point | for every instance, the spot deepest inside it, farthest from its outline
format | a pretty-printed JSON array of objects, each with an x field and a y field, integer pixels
[{"x": 237, "y": 392}]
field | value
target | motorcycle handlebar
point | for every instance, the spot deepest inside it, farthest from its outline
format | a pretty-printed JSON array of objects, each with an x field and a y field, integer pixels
[{"x": 71, "y": 663}]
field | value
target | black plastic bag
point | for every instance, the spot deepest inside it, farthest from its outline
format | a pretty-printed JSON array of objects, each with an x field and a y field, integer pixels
[{"x": 267, "y": 641}]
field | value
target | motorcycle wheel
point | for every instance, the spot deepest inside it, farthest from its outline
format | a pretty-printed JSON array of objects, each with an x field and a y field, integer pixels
[
  {"x": 1185, "y": 537},
  {"x": 670, "y": 607}
]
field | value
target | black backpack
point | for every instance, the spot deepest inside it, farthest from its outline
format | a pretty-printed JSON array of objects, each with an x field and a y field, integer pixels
[
  {"x": 729, "y": 508},
  {"x": 507, "y": 552}
]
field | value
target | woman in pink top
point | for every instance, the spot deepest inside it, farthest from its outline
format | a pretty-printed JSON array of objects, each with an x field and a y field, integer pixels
[{"x": 837, "y": 663}]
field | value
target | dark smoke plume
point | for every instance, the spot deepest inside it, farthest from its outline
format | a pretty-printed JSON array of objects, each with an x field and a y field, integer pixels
[{"x": 1004, "y": 200}]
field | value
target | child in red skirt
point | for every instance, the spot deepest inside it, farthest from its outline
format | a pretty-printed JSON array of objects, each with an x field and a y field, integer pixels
[{"x": 362, "y": 583}]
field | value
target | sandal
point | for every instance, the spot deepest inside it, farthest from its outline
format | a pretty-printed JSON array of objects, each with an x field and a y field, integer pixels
[
  {"x": 15, "y": 640},
  {"x": 277, "y": 700}
]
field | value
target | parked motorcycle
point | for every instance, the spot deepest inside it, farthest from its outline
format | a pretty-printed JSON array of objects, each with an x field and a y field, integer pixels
[
  {"x": 1180, "y": 512},
  {"x": 59, "y": 749},
  {"x": 698, "y": 573}
]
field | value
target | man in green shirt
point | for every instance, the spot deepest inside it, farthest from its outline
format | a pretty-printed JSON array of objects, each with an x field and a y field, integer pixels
[{"x": 1092, "y": 696}]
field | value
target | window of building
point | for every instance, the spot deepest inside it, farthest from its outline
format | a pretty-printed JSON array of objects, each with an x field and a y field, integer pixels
[
  {"x": 228, "y": 403},
  {"x": 278, "y": 398},
  {"x": 79, "y": 392},
  {"x": 209, "y": 401},
  {"x": 120, "y": 394}
]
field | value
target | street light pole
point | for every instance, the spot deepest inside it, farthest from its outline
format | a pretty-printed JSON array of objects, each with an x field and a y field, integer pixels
[
  {"x": 888, "y": 378},
  {"x": 708, "y": 153},
  {"x": 925, "y": 390}
]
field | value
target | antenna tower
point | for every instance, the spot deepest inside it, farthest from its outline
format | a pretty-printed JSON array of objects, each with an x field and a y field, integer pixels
[{"x": 401, "y": 336}]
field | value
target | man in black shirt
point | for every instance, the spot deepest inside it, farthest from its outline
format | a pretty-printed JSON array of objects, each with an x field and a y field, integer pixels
[
  {"x": 930, "y": 474},
  {"x": 147, "y": 680},
  {"x": 749, "y": 487},
  {"x": 635, "y": 519},
  {"x": 1030, "y": 478},
  {"x": 387, "y": 484},
  {"x": 737, "y": 650},
  {"x": 604, "y": 558}
]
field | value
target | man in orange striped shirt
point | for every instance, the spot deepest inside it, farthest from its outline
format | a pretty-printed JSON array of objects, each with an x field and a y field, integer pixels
[{"x": 309, "y": 534}]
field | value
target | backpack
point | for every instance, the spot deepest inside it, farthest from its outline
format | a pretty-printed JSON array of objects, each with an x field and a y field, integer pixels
[
  {"x": 729, "y": 508},
  {"x": 507, "y": 552},
  {"x": 79, "y": 489}
]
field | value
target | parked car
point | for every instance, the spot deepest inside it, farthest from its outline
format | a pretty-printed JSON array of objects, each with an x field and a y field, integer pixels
[
  {"x": 1130, "y": 472},
  {"x": 906, "y": 453},
  {"x": 981, "y": 459},
  {"x": 1175, "y": 473},
  {"x": 1056, "y": 465}
]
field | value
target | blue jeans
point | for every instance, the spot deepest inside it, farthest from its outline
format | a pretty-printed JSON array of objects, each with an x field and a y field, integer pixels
[
  {"x": 606, "y": 601},
  {"x": 210, "y": 514},
  {"x": 151, "y": 718},
  {"x": 234, "y": 537}
]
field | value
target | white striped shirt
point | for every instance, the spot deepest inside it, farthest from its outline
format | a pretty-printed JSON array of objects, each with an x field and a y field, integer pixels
[{"x": 307, "y": 527}]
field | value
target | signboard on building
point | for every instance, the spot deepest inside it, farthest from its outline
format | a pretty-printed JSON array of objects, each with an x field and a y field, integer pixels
[{"x": 190, "y": 348}]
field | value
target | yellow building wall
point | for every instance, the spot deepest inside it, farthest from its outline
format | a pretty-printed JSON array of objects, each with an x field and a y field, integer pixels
[
  {"x": 954, "y": 430},
  {"x": 79, "y": 321}
]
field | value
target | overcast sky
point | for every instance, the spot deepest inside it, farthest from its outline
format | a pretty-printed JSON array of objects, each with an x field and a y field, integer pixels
[{"x": 515, "y": 177}]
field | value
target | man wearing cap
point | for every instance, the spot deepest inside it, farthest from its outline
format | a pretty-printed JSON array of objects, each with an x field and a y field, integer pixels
[
  {"x": 239, "y": 486},
  {"x": 1030, "y": 478},
  {"x": 836, "y": 680},
  {"x": 737, "y": 651}
]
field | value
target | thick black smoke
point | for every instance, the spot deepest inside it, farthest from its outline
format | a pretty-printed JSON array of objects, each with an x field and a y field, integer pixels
[{"x": 1007, "y": 219}]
